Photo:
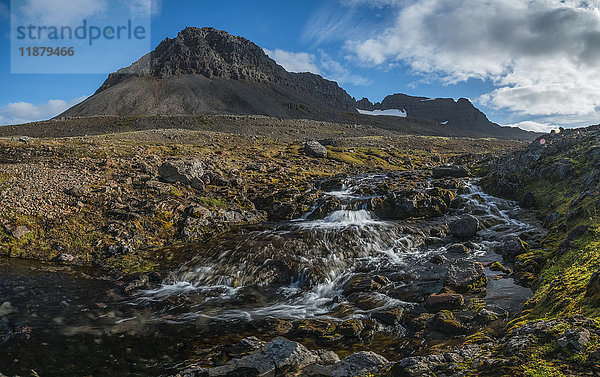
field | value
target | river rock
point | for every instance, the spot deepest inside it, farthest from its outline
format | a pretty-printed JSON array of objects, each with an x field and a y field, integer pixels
[
  {"x": 359, "y": 364},
  {"x": 364, "y": 283},
  {"x": 458, "y": 248},
  {"x": 289, "y": 356},
  {"x": 278, "y": 357},
  {"x": 390, "y": 317},
  {"x": 466, "y": 276},
  {"x": 513, "y": 247},
  {"x": 464, "y": 227},
  {"x": 445, "y": 322},
  {"x": 448, "y": 301},
  {"x": 188, "y": 172},
  {"x": 439, "y": 259},
  {"x": 315, "y": 149},
  {"x": 454, "y": 171}
]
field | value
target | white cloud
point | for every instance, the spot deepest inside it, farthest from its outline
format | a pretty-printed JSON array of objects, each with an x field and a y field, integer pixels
[
  {"x": 294, "y": 61},
  {"x": 61, "y": 12},
  {"x": 325, "y": 66},
  {"x": 534, "y": 126},
  {"x": 337, "y": 72},
  {"x": 24, "y": 112},
  {"x": 543, "y": 56}
]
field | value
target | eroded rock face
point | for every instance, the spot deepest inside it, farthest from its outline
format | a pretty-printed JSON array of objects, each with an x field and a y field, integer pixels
[
  {"x": 466, "y": 276},
  {"x": 459, "y": 114},
  {"x": 187, "y": 172},
  {"x": 204, "y": 70}
]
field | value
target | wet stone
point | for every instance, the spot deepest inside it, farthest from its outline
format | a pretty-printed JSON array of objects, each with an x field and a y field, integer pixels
[
  {"x": 466, "y": 276},
  {"x": 464, "y": 227},
  {"x": 435, "y": 303}
]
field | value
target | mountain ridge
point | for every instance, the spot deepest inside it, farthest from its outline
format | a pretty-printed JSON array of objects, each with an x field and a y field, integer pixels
[
  {"x": 459, "y": 113},
  {"x": 204, "y": 71}
]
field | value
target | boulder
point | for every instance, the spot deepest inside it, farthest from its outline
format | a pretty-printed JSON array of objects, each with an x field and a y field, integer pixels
[
  {"x": 187, "y": 172},
  {"x": 574, "y": 340},
  {"x": 497, "y": 266},
  {"x": 364, "y": 283},
  {"x": 315, "y": 149},
  {"x": 512, "y": 247},
  {"x": 466, "y": 276},
  {"x": 391, "y": 317},
  {"x": 453, "y": 171},
  {"x": 447, "y": 301},
  {"x": 458, "y": 248},
  {"x": 445, "y": 322},
  {"x": 464, "y": 227},
  {"x": 359, "y": 364}
]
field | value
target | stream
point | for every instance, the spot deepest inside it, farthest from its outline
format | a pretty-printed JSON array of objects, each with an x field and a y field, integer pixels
[{"x": 63, "y": 320}]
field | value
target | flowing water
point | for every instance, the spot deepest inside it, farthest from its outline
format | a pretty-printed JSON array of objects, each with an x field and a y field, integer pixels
[{"x": 67, "y": 321}]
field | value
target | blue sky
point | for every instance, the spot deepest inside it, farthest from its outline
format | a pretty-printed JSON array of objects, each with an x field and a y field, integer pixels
[{"x": 531, "y": 63}]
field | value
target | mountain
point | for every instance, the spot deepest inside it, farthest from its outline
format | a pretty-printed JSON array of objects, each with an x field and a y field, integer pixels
[
  {"x": 207, "y": 71},
  {"x": 459, "y": 114},
  {"x": 210, "y": 72}
]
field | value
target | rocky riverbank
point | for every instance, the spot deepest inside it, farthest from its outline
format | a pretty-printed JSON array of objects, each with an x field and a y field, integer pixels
[
  {"x": 558, "y": 175},
  {"x": 396, "y": 264},
  {"x": 103, "y": 201}
]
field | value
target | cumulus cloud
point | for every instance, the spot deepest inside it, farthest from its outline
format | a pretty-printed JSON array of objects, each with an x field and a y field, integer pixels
[
  {"x": 336, "y": 71},
  {"x": 325, "y": 66},
  {"x": 24, "y": 112},
  {"x": 541, "y": 55},
  {"x": 534, "y": 126},
  {"x": 294, "y": 61}
]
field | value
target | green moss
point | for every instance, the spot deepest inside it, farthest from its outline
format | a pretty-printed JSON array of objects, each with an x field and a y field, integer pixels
[{"x": 213, "y": 202}]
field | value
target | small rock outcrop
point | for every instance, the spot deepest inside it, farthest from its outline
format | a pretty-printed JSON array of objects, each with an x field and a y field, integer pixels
[
  {"x": 466, "y": 276},
  {"x": 188, "y": 172},
  {"x": 315, "y": 149},
  {"x": 464, "y": 227}
]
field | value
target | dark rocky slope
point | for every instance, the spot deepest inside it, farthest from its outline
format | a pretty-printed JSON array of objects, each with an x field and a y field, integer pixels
[
  {"x": 459, "y": 114},
  {"x": 559, "y": 175},
  {"x": 207, "y": 71}
]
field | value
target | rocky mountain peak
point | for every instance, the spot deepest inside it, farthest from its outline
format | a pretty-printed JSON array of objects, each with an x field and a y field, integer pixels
[{"x": 215, "y": 53}]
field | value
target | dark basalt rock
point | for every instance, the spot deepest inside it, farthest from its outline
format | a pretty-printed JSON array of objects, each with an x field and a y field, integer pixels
[
  {"x": 464, "y": 227},
  {"x": 448, "y": 301},
  {"x": 513, "y": 247}
]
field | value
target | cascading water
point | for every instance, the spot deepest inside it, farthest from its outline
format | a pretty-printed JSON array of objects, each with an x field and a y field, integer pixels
[
  {"x": 299, "y": 268},
  {"x": 296, "y": 269}
]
